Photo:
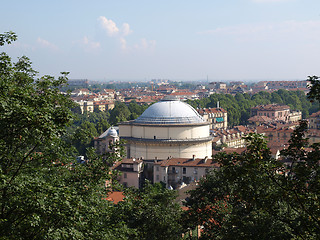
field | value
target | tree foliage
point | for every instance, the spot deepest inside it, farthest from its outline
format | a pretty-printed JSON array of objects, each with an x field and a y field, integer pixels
[
  {"x": 150, "y": 213},
  {"x": 239, "y": 105},
  {"x": 44, "y": 194},
  {"x": 254, "y": 196}
]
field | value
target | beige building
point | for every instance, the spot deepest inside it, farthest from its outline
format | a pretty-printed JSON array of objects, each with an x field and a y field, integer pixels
[
  {"x": 168, "y": 128},
  {"x": 231, "y": 138},
  {"x": 103, "y": 105},
  {"x": 104, "y": 143},
  {"x": 131, "y": 172},
  {"x": 218, "y": 85},
  {"x": 175, "y": 172},
  {"x": 218, "y": 117},
  {"x": 314, "y": 120},
  {"x": 86, "y": 106},
  {"x": 274, "y": 112}
]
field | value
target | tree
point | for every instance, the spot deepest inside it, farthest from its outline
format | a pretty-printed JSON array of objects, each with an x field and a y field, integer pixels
[
  {"x": 44, "y": 194},
  {"x": 235, "y": 201},
  {"x": 253, "y": 196},
  {"x": 314, "y": 92},
  {"x": 119, "y": 113},
  {"x": 150, "y": 213},
  {"x": 238, "y": 106}
]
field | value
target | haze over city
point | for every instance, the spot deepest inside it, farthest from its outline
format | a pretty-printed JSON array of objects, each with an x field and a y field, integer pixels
[{"x": 248, "y": 40}]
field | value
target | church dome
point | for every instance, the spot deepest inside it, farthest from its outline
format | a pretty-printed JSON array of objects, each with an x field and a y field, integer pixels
[
  {"x": 112, "y": 132},
  {"x": 170, "y": 112}
]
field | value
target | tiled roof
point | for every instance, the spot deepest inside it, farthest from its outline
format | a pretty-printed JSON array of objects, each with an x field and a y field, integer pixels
[
  {"x": 187, "y": 162},
  {"x": 126, "y": 161},
  {"x": 182, "y": 93},
  {"x": 316, "y": 114},
  {"x": 260, "y": 119},
  {"x": 211, "y": 110},
  {"x": 271, "y": 107},
  {"x": 230, "y": 150},
  {"x": 115, "y": 197}
]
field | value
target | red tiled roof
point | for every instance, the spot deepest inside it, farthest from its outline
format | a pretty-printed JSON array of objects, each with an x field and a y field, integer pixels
[
  {"x": 271, "y": 107},
  {"x": 316, "y": 114},
  {"x": 189, "y": 162},
  {"x": 260, "y": 119},
  {"x": 182, "y": 93},
  {"x": 115, "y": 197},
  {"x": 211, "y": 110},
  {"x": 230, "y": 150}
]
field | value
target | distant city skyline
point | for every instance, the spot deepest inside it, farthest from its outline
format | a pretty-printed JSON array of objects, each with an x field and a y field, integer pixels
[{"x": 245, "y": 40}]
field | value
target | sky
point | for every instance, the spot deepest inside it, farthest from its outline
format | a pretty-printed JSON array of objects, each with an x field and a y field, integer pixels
[{"x": 121, "y": 40}]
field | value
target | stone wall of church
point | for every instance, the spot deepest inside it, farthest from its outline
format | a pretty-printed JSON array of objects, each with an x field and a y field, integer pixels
[
  {"x": 168, "y": 132},
  {"x": 163, "y": 151}
]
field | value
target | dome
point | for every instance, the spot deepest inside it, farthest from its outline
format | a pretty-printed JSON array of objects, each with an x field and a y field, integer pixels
[
  {"x": 112, "y": 132},
  {"x": 170, "y": 112}
]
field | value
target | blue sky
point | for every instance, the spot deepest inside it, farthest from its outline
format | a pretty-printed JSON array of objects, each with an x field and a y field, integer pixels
[{"x": 177, "y": 39}]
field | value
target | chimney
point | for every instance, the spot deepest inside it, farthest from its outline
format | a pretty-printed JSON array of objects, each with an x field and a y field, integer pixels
[
  {"x": 193, "y": 157},
  {"x": 205, "y": 159},
  {"x": 218, "y": 105}
]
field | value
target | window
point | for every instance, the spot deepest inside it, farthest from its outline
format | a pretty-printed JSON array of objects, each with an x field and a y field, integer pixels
[
  {"x": 125, "y": 184},
  {"x": 157, "y": 177},
  {"x": 125, "y": 175},
  {"x": 195, "y": 171},
  {"x": 157, "y": 169},
  {"x": 184, "y": 170},
  {"x": 173, "y": 169}
]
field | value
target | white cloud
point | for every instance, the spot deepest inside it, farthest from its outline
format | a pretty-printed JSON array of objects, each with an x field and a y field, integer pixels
[
  {"x": 123, "y": 43},
  {"x": 46, "y": 44},
  {"x": 108, "y": 25},
  {"x": 146, "y": 44},
  {"x": 126, "y": 29},
  {"x": 90, "y": 45},
  {"x": 121, "y": 35}
]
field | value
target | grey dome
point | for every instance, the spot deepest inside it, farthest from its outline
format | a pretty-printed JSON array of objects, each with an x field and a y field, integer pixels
[
  {"x": 112, "y": 132},
  {"x": 170, "y": 112}
]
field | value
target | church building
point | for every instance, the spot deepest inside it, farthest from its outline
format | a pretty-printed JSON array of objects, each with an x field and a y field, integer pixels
[{"x": 167, "y": 129}]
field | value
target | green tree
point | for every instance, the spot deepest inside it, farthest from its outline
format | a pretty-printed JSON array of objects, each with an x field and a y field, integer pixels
[
  {"x": 235, "y": 202},
  {"x": 253, "y": 196},
  {"x": 150, "y": 213},
  {"x": 119, "y": 113},
  {"x": 136, "y": 110},
  {"x": 44, "y": 194}
]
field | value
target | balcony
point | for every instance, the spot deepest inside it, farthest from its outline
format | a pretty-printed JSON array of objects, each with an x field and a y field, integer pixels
[{"x": 173, "y": 172}]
